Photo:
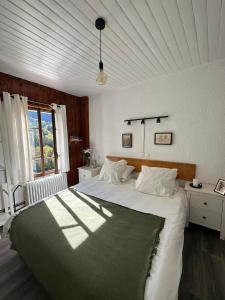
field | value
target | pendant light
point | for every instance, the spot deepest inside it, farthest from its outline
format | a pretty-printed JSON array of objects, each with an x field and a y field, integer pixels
[{"x": 101, "y": 76}]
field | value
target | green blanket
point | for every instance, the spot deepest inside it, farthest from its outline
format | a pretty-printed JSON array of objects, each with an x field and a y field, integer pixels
[{"x": 81, "y": 247}]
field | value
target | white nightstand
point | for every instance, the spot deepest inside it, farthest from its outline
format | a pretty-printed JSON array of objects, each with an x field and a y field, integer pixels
[
  {"x": 87, "y": 172},
  {"x": 206, "y": 207}
]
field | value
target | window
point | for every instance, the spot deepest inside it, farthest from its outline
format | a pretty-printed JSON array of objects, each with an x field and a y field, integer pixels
[{"x": 43, "y": 141}]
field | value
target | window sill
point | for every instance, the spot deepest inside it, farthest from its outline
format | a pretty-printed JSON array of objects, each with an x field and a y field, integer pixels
[{"x": 46, "y": 175}]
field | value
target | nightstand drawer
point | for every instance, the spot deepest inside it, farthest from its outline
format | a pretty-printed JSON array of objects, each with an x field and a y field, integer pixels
[
  {"x": 206, "y": 201},
  {"x": 87, "y": 173},
  {"x": 84, "y": 175},
  {"x": 205, "y": 217},
  {"x": 206, "y": 207}
]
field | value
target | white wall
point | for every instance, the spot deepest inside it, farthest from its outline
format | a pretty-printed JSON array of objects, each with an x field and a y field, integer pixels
[{"x": 195, "y": 103}]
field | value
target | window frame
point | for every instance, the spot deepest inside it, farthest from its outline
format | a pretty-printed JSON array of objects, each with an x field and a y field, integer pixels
[{"x": 41, "y": 108}]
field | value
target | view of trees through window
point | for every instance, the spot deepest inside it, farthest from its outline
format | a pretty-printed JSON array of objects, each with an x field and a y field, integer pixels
[{"x": 42, "y": 141}]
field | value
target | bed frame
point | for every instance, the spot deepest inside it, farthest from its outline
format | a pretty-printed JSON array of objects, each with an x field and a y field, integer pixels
[{"x": 186, "y": 171}]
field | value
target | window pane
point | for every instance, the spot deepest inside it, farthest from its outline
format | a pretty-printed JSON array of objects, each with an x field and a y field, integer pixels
[
  {"x": 37, "y": 166},
  {"x": 42, "y": 141},
  {"x": 33, "y": 118},
  {"x": 49, "y": 164},
  {"x": 35, "y": 143},
  {"x": 47, "y": 134}
]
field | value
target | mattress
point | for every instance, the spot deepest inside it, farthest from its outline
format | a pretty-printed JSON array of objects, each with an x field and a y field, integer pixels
[{"x": 166, "y": 267}]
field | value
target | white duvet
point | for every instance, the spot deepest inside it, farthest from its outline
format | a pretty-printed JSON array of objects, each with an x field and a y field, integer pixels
[{"x": 166, "y": 268}]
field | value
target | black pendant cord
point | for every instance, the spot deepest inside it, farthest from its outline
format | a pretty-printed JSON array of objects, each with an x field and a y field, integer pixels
[
  {"x": 100, "y": 25},
  {"x": 100, "y": 45},
  {"x": 100, "y": 63}
]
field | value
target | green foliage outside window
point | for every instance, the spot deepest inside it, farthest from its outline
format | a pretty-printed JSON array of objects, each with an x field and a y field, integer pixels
[{"x": 47, "y": 141}]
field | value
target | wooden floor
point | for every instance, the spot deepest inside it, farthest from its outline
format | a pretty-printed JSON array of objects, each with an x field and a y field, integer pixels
[
  {"x": 16, "y": 281},
  {"x": 203, "y": 271},
  {"x": 203, "y": 265}
]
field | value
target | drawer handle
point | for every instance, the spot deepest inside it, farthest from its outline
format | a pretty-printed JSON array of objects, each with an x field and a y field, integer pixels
[
  {"x": 203, "y": 217},
  {"x": 205, "y": 203}
]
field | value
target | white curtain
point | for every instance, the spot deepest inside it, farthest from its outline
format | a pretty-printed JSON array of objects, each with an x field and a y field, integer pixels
[
  {"x": 14, "y": 123},
  {"x": 61, "y": 137}
]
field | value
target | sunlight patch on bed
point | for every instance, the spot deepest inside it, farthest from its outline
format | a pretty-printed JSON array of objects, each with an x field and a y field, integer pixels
[
  {"x": 91, "y": 201},
  {"x": 107, "y": 212},
  {"x": 60, "y": 213},
  {"x": 75, "y": 236},
  {"x": 77, "y": 215},
  {"x": 87, "y": 215}
]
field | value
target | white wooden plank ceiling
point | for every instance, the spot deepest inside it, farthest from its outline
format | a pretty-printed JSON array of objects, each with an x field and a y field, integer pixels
[{"x": 55, "y": 42}]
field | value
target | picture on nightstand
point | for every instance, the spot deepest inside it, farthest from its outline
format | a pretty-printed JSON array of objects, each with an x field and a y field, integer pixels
[{"x": 220, "y": 187}]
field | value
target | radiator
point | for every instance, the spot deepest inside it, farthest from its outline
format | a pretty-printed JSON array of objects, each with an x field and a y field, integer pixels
[{"x": 38, "y": 189}]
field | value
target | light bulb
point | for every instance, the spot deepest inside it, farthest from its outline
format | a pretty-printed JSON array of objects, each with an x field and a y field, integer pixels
[{"x": 101, "y": 78}]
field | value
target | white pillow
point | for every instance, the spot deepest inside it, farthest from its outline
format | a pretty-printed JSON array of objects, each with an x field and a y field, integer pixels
[
  {"x": 128, "y": 170},
  {"x": 156, "y": 181},
  {"x": 112, "y": 171}
]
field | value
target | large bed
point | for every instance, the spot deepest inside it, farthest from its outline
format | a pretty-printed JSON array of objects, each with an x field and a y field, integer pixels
[
  {"x": 167, "y": 263},
  {"x": 41, "y": 248}
]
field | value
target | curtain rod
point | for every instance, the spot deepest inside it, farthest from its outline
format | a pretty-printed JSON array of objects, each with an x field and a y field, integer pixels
[{"x": 41, "y": 103}]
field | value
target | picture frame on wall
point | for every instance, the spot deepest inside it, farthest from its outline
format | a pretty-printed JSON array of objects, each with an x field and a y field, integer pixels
[
  {"x": 163, "y": 138},
  {"x": 127, "y": 140},
  {"x": 220, "y": 187}
]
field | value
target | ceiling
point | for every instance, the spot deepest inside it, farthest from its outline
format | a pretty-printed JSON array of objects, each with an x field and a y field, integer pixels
[{"x": 55, "y": 42}]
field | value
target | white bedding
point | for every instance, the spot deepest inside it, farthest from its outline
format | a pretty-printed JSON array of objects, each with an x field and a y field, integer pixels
[{"x": 167, "y": 264}]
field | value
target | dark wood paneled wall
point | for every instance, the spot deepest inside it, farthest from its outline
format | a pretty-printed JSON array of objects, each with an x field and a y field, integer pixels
[{"x": 77, "y": 113}]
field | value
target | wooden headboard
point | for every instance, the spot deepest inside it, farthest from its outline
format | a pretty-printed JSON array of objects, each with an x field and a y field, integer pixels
[{"x": 185, "y": 171}]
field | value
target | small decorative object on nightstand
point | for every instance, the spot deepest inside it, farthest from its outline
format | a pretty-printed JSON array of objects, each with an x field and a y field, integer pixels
[
  {"x": 87, "y": 156},
  {"x": 196, "y": 184},
  {"x": 206, "y": 208},
  {"x": 220, "y": 187},
  {"x": 87, "y": 172}
]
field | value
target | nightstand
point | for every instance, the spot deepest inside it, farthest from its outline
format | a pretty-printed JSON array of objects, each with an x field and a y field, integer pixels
[
  {"x": 87, "y": 172},
  {"x": 206, "y": 207}
]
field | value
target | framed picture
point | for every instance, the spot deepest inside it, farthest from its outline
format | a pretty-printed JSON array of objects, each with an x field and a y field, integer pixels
[
  {"x": 127, "y": 140},
  {"x": 220, "y": 187},
  {"x": 163, "y": 138}
]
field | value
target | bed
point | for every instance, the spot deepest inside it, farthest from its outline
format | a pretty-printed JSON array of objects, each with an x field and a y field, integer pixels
[
  {"x": 168, "y": 259},
  {"x": 168, "y": 215}
]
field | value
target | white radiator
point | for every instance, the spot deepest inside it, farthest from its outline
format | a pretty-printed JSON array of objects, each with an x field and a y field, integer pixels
[{"x": 38, "y": 189}]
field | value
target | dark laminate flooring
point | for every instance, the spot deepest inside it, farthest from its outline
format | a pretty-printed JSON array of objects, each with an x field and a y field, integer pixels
[
  {"x": 16, "y": 281},
  {"x": 203, "y": 271},
  {"x": 203, "y": 274}
]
